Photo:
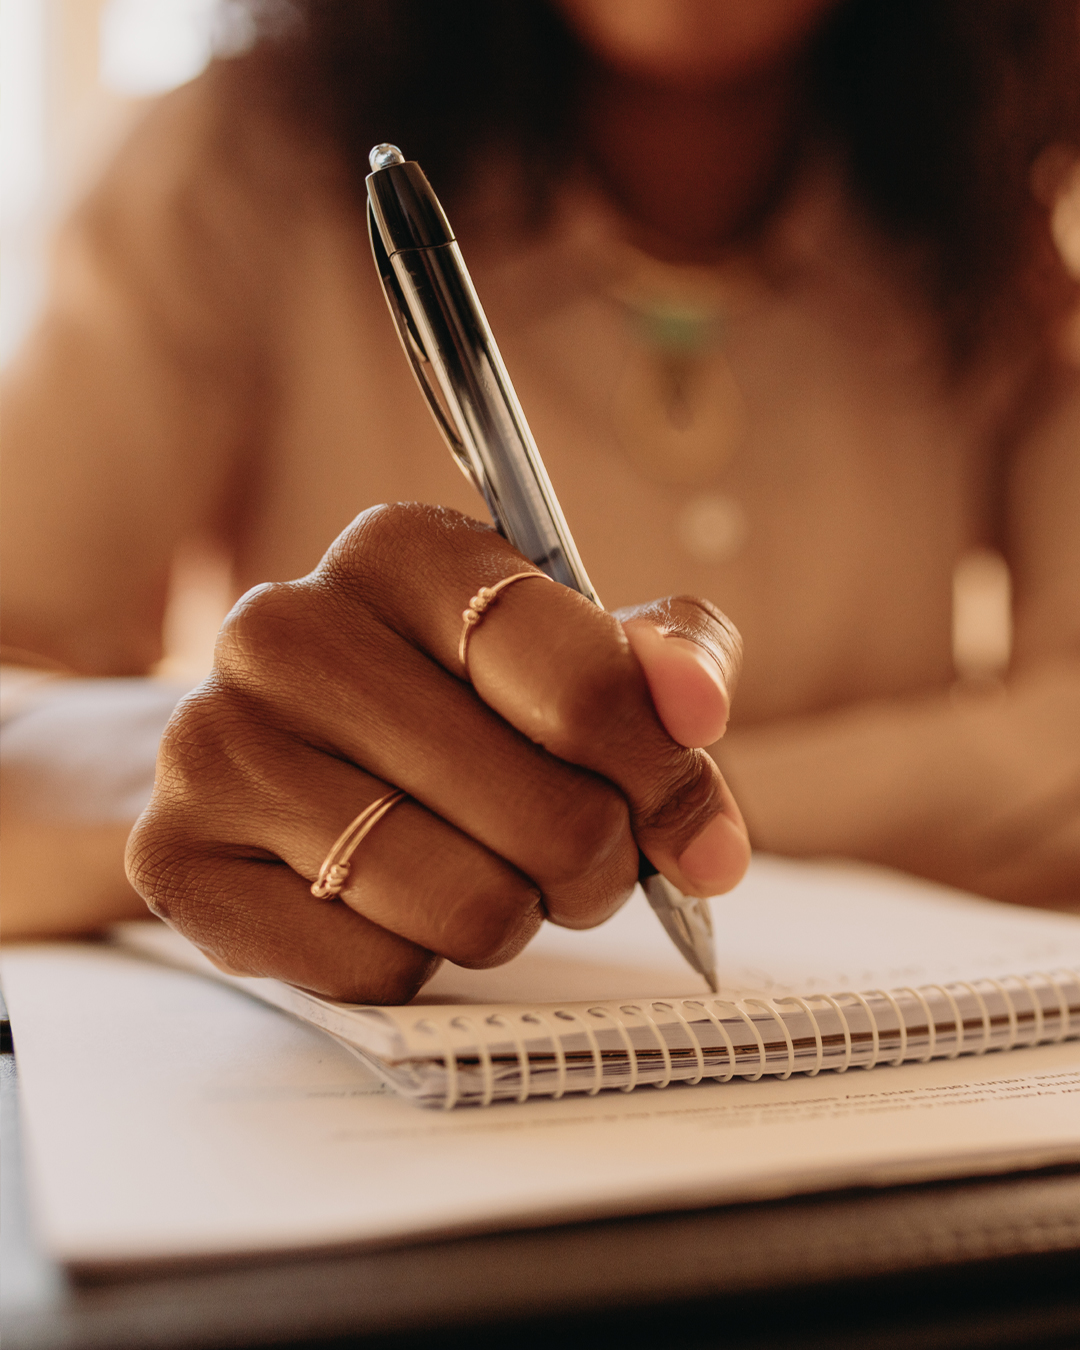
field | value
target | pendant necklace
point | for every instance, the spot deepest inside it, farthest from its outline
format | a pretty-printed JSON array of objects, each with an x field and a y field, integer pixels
[{"x": 679, "y": 415}]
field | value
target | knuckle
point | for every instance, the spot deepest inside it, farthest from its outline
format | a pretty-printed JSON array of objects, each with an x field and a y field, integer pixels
[
  {"x": 392, "y": 983},
  {"x": 606, "y": 694},
  {"x": 207, "y": 759},
  {"x": 488, "y": 937},
  {"x": 585, "y": 905},
  {"x": 382, "y": 538},
  {"x": 471, "y": 906},
  {"x": 588, "y": 831},
  {"x": 681, "y": 799},
  {"x": 721, "y": 632},
  {"x": 208, "y": 744},
  {"x": 701, "y": 621},
  {"x": 158, "y": 865},
  {"x": 375, "y": 536},
  {"x": 146, "y": 858},
  {"x": 259, "y": 628}
]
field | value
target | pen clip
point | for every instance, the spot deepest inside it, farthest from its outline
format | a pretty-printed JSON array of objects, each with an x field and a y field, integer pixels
[{"x": 414, "y": 349}]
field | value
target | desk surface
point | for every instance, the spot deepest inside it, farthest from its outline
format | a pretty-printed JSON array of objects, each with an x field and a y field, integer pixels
[{"x": 992, "y": 1264}]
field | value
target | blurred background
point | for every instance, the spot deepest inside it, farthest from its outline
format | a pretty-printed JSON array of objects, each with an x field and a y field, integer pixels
[{"x": 74, "y": 74}]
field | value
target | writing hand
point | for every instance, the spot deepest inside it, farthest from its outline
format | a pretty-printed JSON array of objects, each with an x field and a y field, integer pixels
[{"x": 529, "y": 791}]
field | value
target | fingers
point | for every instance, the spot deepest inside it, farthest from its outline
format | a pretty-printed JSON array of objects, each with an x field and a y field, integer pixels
[
  {"x": 563, "y": 674},
  {"x": 685, "y": 681},
  {"x": 696, "y": 626},
  {"x": 531, "y": 783},
  {"x": 691, "y": 655},
  {"x": 346, "y": 685},
  {"x": 566, "y": 676},
  {"x": 255, "y": 916},
  {"x": 251, "y": 799},
  {"x": 716, "y": 858}
]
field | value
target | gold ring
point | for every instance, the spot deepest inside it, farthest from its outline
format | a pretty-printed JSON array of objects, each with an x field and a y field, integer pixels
[
  {"x": 478, "y": 605},
  {"x": 334, "y": 872}
]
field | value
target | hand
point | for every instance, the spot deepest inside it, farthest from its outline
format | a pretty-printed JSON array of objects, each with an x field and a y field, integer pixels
[{"x": 529, "y": 792}]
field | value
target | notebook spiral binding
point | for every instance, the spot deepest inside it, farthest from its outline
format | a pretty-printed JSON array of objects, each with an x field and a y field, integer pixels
[{"x": 513, "y": 1054}]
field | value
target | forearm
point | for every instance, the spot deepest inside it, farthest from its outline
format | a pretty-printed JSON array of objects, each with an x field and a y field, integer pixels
[
  {"x": 63, "y": 879},
  {"x": 979, "y": 791},
  {"x": 78, "y": 767}
]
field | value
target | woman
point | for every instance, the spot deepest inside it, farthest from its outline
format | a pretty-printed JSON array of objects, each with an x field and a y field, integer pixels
[{"x": 789, "y": 327}]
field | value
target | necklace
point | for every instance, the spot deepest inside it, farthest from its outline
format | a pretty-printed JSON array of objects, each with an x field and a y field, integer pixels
[{"x": 679, "y": 415}]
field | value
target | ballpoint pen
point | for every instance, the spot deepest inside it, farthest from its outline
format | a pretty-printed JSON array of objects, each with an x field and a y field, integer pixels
[{"x": 458, "y": 367}]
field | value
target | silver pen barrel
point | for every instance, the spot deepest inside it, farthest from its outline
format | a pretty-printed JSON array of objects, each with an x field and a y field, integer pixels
[{"x": 460, "y": 371}]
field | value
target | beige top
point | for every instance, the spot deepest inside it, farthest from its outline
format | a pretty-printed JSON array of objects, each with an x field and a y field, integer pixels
[{"x": 218, "y": 359}]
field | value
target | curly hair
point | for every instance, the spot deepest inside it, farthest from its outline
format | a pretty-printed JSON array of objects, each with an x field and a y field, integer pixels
[{"x": 939, "y": 108}]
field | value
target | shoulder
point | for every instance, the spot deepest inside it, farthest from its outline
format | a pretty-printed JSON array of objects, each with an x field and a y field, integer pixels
[
  {"x": 231, "y": 125},
  {"x": 199, "y": 209}
]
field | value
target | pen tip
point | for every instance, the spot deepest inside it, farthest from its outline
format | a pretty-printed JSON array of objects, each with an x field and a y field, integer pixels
[
  {"x": 382, "y": 156},
  {"x": 710, "y": 976}
]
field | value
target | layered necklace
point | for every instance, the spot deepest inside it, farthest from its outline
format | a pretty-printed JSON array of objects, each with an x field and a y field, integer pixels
[{"x": 679, "y": 414}]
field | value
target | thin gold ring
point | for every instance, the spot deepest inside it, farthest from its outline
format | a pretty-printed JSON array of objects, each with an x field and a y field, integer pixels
[
  {"x": 478, "y": 605},
  {"x": 334, "y": 872}
]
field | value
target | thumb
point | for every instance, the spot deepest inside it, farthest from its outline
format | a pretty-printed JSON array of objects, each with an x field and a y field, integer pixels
[
  {"x": 687, "y": 685},
  {"x": 692, "y": 700}
]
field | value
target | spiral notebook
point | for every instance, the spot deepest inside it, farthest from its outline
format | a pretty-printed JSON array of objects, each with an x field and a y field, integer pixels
[
  {"x": 174, "y": 1116},
  {"x": 824, "y": 968}
]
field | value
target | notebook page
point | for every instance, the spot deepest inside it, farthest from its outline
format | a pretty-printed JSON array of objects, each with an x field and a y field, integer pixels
[
  {"x": 168, "y": 1115},
  {"x": 788, "y": 928}
]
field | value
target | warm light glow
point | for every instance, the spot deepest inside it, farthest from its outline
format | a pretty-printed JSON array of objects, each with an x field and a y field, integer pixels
[
  {"x": 982, "y": 615},
  {"x": 148, "y": 46}
]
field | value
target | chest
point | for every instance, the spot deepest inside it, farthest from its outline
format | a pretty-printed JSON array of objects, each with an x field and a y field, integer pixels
[{"x": 816, "y": 486}]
